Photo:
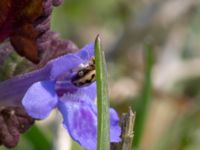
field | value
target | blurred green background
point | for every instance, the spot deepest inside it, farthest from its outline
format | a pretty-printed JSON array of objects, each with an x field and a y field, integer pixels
[{"x": 171, "y": 28}]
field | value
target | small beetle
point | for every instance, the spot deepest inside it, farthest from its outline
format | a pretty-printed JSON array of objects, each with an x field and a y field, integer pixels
[{"x": 85, "y": 75}]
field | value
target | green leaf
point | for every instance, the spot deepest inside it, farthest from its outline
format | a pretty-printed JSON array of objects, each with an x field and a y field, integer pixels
[
  {"x": 38, "y": 139},
  {"x": 143, "y": 103},
  {"x": 102, "y": 98}
]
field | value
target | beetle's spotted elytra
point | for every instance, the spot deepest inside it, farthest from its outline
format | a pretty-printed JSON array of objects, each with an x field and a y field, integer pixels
[{"x": 85, "y": 75}]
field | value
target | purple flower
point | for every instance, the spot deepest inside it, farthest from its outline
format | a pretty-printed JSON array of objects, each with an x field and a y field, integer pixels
[{"x": 51, "y": 87}]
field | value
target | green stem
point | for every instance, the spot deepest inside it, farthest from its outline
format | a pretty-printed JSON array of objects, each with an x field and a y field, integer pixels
[{"x": 143, "y": 103}]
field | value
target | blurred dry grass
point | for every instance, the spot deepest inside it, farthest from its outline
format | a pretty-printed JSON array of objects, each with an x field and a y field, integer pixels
[{"x": 172, "y": 28}]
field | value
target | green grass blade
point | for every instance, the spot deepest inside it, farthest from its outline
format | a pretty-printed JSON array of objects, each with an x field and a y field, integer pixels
[
  {"x": 102, "y": 98},
  {"x": 143, "y": 103}
]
